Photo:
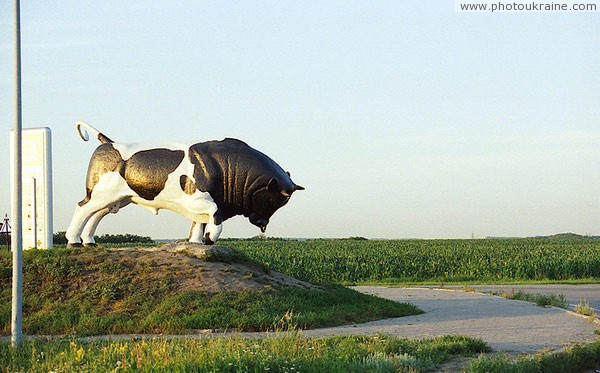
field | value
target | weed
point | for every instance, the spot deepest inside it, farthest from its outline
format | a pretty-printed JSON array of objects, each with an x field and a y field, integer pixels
[
  {"x": 286, "y": 323},
  {"x": 542, "y": 300},
  {"x": 469, "y": 289},
  {"x": 584, "y": 308},
  {"x": 112, "y": 268},
  {"x": 283, "y": 352},
  {"x": 577, "y": 358}
]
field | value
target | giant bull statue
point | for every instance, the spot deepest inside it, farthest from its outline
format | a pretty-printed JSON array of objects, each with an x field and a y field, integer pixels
[{"x": 207, "y": 182}]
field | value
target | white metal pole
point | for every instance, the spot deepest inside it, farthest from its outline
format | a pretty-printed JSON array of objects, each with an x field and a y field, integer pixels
[{"x": 17, "y": 203}]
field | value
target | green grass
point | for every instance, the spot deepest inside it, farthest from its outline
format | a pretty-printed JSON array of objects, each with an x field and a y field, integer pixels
[
  {"x": 542, "y": 300},
  {"x": 285, "y": 352},
  {"x": 432, "y": 261},
  {"x": 92, "y": 292},
  {"x": 573, "y": 359},
  {"x": 125, "y": 298}
]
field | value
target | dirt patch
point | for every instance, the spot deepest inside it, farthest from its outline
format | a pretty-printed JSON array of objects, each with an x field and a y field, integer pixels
[{"x": 208, "y": 269}]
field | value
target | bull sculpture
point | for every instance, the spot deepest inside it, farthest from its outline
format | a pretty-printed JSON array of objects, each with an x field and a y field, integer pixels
[{"x": 207, "y": 182}]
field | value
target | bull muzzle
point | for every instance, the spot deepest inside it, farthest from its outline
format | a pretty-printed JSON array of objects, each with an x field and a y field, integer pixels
[{"x": 260, "y": 222}]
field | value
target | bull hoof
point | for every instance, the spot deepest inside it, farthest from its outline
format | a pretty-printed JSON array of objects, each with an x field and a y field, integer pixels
[
  {"x": 207, "y": 240},
  {"x": 90, "y": 244},
  {"x": 74, "y": 245}
]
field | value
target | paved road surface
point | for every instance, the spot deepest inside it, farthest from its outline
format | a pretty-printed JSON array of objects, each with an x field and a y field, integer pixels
[
  {"x": 507, "y": 325},
  {"x": 572, "y": 293}
]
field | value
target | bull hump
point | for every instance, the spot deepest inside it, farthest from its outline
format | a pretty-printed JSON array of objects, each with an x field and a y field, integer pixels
[{"x": 146, "y": 172}]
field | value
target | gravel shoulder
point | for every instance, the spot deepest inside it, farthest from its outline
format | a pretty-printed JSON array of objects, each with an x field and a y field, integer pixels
[{"x": 506, "y": 325}]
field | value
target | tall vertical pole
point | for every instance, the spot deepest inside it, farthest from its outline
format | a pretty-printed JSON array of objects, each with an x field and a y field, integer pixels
[{"x": 17, "y": 202}]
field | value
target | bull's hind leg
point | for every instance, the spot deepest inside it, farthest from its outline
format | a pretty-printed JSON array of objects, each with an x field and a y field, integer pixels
[
  {"x": 81, "y": 217},
  {"x": 89, "y": 230},
  {"x": 110, "y": 192}
]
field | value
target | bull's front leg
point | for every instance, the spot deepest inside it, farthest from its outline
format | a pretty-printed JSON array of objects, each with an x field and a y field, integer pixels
[
  {"x": 213, "y": 229},
  {"x": 196, "y": 232}
]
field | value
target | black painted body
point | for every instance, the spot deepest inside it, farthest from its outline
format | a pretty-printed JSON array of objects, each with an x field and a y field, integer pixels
[{"x": 240, "y": 179}]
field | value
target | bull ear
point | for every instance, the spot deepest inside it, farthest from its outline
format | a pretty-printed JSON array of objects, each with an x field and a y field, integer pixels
[
  {"x": 298, "y": 187},
  {"x": 273, "y": 185}
]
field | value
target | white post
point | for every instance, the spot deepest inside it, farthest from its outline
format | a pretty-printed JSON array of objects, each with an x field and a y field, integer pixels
[{"x": 17, "y": 203}]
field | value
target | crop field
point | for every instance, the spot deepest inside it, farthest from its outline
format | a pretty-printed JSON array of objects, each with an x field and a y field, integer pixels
[
  {"x": 348, "y": 261},
  {"x": 112, "y": 303}
]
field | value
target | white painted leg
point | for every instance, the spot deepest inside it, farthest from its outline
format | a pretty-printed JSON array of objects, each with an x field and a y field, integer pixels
[
  {"x": 212, "y": 232},
  {"x": 87, "y": 235},
  {"x": 196, "y": 232},
  {"x": 80, "y": 218}
]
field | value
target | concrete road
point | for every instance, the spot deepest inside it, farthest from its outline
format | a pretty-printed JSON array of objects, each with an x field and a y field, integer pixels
[
  {"x": 506, "y": 325},
  {"x": 573, "y": 293}
]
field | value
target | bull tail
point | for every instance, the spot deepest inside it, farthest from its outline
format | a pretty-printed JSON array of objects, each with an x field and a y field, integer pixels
[{"x": 84, "y": 129}]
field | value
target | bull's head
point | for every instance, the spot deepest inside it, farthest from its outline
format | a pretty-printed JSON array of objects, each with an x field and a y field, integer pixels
[{"x": 268, "y": 199}]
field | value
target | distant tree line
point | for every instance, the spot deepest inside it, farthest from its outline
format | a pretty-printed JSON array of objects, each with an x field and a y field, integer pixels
[
  {"x": 259, "y": 237},
  {"x": 263, "y": 237},
  {"x": 60, "y": 239}
]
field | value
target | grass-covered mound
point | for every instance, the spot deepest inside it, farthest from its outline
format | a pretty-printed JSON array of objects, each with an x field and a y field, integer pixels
[{"x": 140, "y": 290}]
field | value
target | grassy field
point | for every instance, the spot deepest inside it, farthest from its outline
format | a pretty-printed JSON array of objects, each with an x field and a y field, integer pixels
[
  {"x": 124, "y": 298},
  {"x": 438, "y": 261},
  {"x": 286, "y": 351}
]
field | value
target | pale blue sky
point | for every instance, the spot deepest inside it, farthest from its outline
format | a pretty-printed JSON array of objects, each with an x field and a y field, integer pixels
[{"x": 401, "y": 119}]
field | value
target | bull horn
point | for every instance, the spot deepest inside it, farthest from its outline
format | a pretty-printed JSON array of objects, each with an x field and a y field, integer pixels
[
  {"x": 298, "y": 187},
  {"x": 284, "y": 193}
]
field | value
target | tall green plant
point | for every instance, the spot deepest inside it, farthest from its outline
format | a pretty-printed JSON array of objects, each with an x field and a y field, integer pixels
[{"x": 356, "y": 261}]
